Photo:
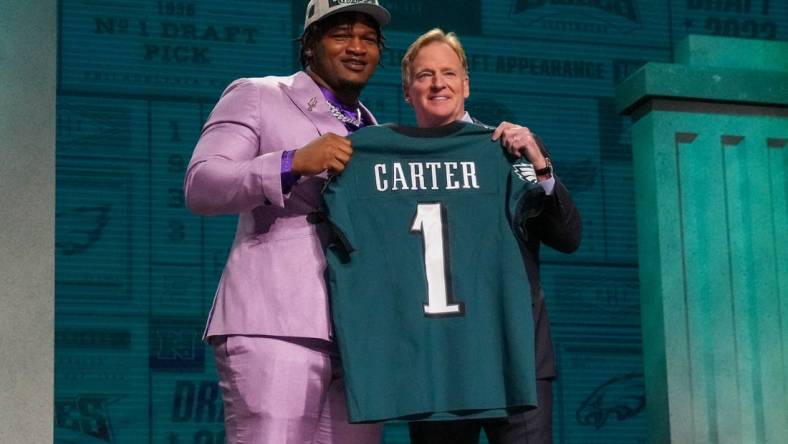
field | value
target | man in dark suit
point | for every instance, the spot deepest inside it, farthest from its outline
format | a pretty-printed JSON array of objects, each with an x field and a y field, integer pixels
[{"x": 436, "y": 84}]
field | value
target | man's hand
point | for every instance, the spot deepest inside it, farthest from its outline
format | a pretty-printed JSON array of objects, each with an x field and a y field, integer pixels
[
  {"x": 327, "y": 152},
  {"x": 519, "y": 142}
]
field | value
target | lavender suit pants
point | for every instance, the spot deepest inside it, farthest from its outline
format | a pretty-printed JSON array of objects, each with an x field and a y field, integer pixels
[{"x": 285, "y": 391}]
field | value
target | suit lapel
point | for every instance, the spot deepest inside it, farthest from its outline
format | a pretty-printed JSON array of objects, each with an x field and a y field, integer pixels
[{"x": 305, "y": 94}]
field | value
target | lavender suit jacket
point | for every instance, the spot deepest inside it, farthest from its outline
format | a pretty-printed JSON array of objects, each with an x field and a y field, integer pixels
[{"x": 273, "y": 281}]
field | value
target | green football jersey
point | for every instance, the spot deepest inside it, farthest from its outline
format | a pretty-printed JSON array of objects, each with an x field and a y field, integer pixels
[{"x": 429, "y": 296}]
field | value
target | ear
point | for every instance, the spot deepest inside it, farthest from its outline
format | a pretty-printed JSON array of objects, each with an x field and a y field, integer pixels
[
  {"x": 406, "y": 94},
  {"x": 466, "y": 87}
]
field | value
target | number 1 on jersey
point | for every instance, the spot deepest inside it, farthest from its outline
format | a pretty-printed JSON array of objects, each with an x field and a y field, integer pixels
[{"x": 430, "y": 221}]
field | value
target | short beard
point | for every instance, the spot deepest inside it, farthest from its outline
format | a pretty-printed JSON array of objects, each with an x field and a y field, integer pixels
[{"x": 350, "y": 87}]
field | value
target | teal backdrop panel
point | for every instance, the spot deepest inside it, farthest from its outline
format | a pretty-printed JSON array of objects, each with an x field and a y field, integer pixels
[{"x": 136, "y": 272}]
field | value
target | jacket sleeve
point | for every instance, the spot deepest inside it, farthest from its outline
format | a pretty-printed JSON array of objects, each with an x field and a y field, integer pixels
[
  {"x": 230, "y": 171},
  {"x": 558, "y": 225}
]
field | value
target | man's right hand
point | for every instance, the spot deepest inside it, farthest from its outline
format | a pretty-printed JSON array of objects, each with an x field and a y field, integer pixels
[{"x": 327, "y": 152}]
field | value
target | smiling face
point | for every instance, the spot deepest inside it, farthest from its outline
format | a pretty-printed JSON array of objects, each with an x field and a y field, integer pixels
[
  {"x": 346, "y": 56},
  {"x": 438, "y": 85}
]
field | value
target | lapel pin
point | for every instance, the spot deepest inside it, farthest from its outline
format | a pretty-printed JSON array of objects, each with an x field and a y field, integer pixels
[{"x": 312, "y": 103}]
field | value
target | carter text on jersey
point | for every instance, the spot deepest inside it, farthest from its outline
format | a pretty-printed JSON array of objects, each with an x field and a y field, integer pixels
[{"x": 414, "y": 176}]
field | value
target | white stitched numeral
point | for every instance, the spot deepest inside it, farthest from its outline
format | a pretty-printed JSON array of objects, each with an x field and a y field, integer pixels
[{"x": 430, "y": 221}]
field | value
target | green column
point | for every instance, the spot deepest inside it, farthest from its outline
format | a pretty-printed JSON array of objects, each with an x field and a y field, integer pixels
[{"x": 710, "y": 153}]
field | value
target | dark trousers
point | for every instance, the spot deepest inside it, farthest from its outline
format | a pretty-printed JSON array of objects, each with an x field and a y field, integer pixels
[{"x": 532, "y": 427}]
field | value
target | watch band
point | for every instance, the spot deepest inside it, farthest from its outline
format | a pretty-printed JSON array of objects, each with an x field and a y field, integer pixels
[{"x": 547, "y": 170}]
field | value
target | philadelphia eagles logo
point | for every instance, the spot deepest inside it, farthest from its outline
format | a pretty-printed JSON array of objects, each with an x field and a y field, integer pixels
[
  {"x": 618, "y": 15},
  {"x": 524, "y": 171}
]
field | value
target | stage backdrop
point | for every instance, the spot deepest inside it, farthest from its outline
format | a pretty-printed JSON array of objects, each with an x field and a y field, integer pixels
[{"x": 136, "y": 272}]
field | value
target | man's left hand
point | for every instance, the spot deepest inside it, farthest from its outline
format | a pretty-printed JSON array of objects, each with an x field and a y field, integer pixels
[{"x": 519, "y": 141}]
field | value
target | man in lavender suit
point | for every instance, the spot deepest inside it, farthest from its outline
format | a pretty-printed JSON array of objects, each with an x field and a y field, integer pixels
[{"x": 264, "y": 154}]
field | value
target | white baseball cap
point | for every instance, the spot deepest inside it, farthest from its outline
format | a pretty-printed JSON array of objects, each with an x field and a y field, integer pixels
[{"x": 317, "y": 10}]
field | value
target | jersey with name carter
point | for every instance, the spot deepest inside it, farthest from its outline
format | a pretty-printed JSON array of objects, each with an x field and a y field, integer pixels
[{"x": 429, "y": 294}]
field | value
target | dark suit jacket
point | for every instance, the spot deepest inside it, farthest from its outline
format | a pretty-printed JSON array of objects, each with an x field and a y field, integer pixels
[{"x": 557, "y": 226}]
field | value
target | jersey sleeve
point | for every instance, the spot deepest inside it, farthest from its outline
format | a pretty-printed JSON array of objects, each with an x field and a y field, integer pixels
[
  {"x": 338, "y": 201},
  {"x": 525, "y": 196}
]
